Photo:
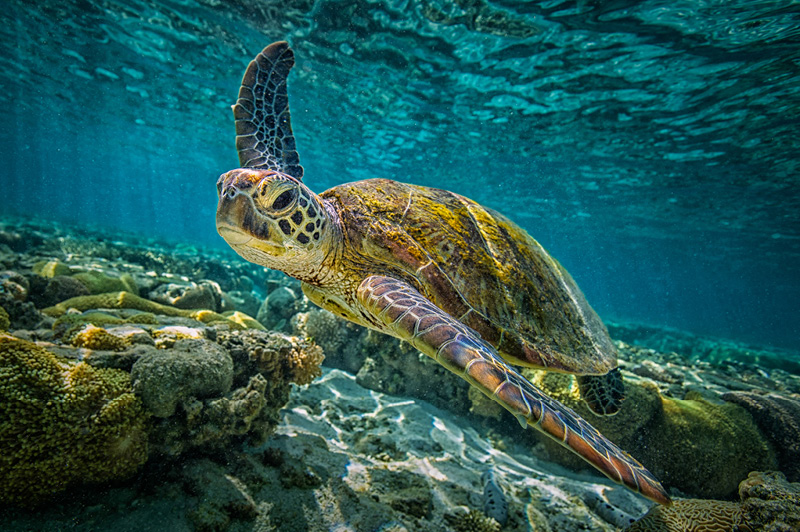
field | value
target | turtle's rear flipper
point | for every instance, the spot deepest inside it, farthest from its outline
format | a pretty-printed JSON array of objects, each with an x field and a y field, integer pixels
[
  {"x": 603, "y": 393},
  {"x": 397, "y": 308}
]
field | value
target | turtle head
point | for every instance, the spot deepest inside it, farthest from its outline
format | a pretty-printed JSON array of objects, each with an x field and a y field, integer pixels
[{"x": 272, "y": 219}]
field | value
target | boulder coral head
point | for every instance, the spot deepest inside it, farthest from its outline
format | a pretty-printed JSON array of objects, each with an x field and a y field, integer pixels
[
  {"x": 693, "y": 515},
  {"x": 63, "y": 423}
]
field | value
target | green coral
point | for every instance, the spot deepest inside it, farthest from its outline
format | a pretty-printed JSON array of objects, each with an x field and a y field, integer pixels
[
  {"x": 5, "y": 322},
  {"x": 473, "y": 521},
  {"x": 127, "y": 300},
  {"x": 50, "y": 268},
  {"x": 69, "y": 324},
  {"x": 100, "y": 283},
  {"x": 248, "y": 322},
  {"x": 63, "y": 423},
  {"x": 97, "y": 338},
  {"x": 114, "y": 300},
  {"x": 700, "y": 447}
]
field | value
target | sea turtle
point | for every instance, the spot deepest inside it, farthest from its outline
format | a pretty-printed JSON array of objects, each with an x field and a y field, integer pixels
[{"x": 460, "y": 282}]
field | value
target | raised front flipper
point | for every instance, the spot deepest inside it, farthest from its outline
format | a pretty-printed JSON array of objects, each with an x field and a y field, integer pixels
[
  {"x": 264, "y": 136},
  {"x": 403, "y": 312}
]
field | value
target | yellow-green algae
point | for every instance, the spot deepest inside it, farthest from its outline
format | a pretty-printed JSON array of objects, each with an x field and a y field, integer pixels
[
  {"x": 248, "y": 322},
  {"x": 101, "y": 283},
  {"x": 5, "y": 322},
  {"x": 122, "y": 299},
  {"x": 51, "y": 268},
  {"x": 127, "y": 300},
  {"x": 63, "y": 423},
  {"x": 98, "y": 339},
  {"x": 100, "y": 319}
]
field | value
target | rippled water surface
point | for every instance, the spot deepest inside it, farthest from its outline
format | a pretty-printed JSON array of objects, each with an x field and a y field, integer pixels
[{"x": 652, "y": 147}]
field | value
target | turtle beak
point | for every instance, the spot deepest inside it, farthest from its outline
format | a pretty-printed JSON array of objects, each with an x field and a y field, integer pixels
[{"x": 236, "y": 217}]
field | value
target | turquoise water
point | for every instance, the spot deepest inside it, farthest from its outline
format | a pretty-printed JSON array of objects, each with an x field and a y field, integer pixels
[{"x": 650, "y": 146}]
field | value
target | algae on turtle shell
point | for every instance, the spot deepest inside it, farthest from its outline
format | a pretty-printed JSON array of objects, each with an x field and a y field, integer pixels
[{"x": 458, "y": 281}]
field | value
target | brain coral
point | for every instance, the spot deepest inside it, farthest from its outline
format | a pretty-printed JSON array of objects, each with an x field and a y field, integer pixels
[
  {"x": 63, "y": 423},
  {"x": 693, "y": 515}
]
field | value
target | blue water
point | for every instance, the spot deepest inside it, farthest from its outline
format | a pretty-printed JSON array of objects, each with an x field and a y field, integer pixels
[{"x": 652, "y": 147}]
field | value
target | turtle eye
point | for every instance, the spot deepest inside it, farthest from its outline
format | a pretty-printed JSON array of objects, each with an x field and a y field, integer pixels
[
  {"x": 219, "y": 184},
  {"x": 284, "y": 200}
]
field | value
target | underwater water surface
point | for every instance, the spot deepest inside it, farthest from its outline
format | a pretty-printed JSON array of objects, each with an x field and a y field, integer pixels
[{"x": 652, "y": 147}]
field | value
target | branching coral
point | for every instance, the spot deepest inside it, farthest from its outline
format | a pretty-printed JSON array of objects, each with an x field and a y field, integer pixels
[
  {"x": 473, "y": 521},
  {"x": 63, "y": 423},
  {"x": 289, "y": 358}
]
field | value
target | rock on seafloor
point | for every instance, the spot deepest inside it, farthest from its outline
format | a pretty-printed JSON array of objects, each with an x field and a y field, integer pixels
[
  {"x": 397, "y": 444},
  {"x": 347, "y": 458},
  {"x": 192, "y": 368},
  {"x": 768, "y": 503}
]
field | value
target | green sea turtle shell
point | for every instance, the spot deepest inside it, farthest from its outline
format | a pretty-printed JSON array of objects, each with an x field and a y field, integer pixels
[{"x": 476, "y": 265}]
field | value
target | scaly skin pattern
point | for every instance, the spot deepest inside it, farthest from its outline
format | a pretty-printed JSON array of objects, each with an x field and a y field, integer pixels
[{"x": 406, "y": 314}]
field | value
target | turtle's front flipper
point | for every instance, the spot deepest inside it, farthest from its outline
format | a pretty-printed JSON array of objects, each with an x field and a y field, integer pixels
[
  {"x": 264, "y": 136},
  {"x": 405, "y": 313}
]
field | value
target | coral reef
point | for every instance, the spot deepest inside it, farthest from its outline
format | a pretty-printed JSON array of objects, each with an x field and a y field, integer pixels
[
  {"x": 58, "y": 289},
  {"x": 69, "y": 323},
  {"x": 186, "y": 386},
  {"x": 279, "y": 357},
  {"x": 279, "y": 306},
  {"x": 127, "y": 300},
  {"x": 289, "y": 358},
  {"x": 192, "y": 368},
  {"x": 100, "y": 283},
  {"x": 114, "y": 300},
  {"x": 244, "y": 320},
  {"x": 700, "y": 447},
  {"x": 13, "y": 286},
  {"x": 768, "y": 503},
  {"x": 702, "y": 348},
  {"x": 63, "y": 423},
  {"x": 4, "y": 321},
  {"x": 97, "y": 338},
  {"x": 189, "y": 295},
  {"x": 472, "y": 521},
  {"x": 51, "y": 268},
  {"x": 210, "y": 424},
  {"x": 340, "y": 339},
  {"x": 14, "y": 291},
  {"x": 778, "y": 418},
  {"x": 693, "y": 515}
]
